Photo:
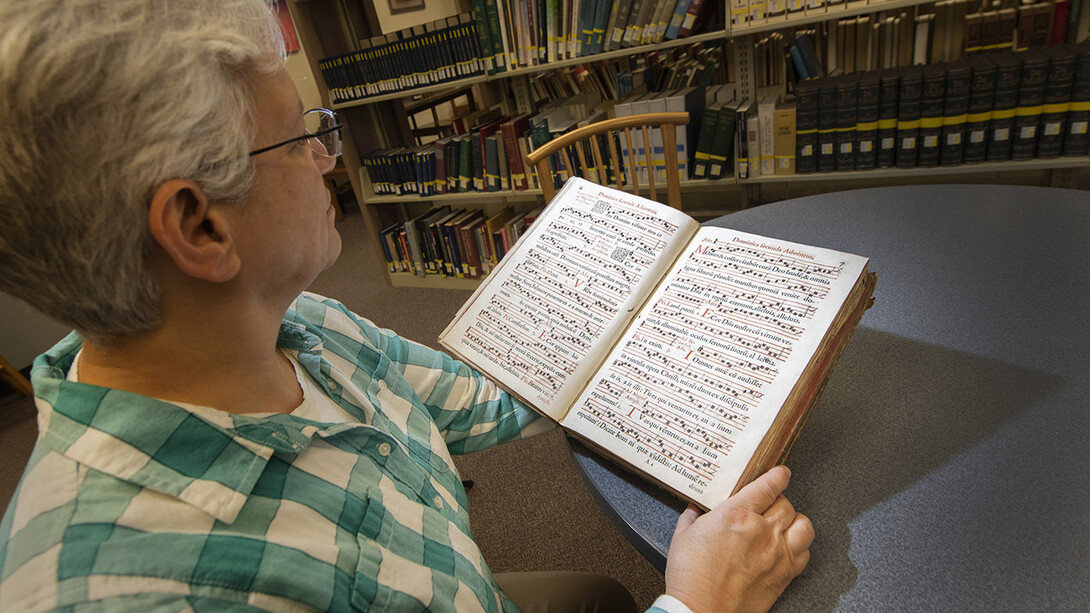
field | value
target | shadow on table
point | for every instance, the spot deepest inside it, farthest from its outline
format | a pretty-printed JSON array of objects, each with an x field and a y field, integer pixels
[{"x": 880, "y": 426}]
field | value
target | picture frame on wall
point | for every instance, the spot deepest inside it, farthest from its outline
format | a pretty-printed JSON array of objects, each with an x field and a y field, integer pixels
[{"x": 405, "y": 6}]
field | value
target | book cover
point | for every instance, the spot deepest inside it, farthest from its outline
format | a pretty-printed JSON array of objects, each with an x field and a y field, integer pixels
[
  {"x": 806, "y": 126},
  {"x": 720, "y": 164},
  {"x": 693, "y": 17},
  {"x": 1077, "y": 136},
  {"x": 691, "y": 355},
  {"x": 1004, "y": 105},
  {"x": 978, "y": 120},
  {"x": 908, "y": 116},
  {"x": 702, "y": 156},
  {"x": 784, "y": 137},
  {"x": 766, "y": 116},
  {"x": 745, "y": 163},
  {"x": 1057, "y": 100},
  {"x": 955, "y": 112},
  {"x": 1031, "y": 95},
  {"x": 847, "y": 93},
  {"x": 932, "y": 104},
  {"x": 866, "y": 118},
  {"x": 826, "y": 124}
]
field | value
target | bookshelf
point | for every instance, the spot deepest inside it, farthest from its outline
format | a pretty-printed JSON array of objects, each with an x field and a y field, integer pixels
[{"x": 333, "y": 27}]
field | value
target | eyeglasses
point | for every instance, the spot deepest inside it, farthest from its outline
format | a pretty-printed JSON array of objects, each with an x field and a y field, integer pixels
[{"x": 323, "y": 128}]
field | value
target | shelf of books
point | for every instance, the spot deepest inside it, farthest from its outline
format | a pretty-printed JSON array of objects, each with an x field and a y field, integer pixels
[
  {"x": 931, "y": 172},
  {"x": 780, "y": 92},
  {"x": 500, "y": 40}
]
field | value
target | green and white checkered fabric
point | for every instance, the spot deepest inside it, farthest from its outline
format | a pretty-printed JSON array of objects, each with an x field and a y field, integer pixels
[{"x": 130, "y": 503}]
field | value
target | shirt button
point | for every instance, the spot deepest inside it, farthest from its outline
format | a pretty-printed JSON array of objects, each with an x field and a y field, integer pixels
[
  {"x": 438, "y": 502},
  {"x": 384, "y": 449},
  {"x": 382, "y": 385}
]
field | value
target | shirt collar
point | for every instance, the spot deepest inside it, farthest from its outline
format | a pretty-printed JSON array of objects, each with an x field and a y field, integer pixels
[{"x": 208, "y": 458}]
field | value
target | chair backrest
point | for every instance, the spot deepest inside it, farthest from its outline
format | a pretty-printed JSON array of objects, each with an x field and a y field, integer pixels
[{"x": 630, "y": 169}]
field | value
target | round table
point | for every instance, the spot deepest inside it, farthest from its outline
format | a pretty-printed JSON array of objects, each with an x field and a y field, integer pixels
[{"x": 946, "y": 467}]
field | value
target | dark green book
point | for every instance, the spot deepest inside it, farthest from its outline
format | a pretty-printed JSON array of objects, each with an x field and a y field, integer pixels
[
  {"x": 931, "y": 113},
  {"x": 806, "y": 126},
  {"x": 722, "y": 153},
  {"x": 889, "y": 84},
  {"x": 978, "y": 120},
  {"x": 702, "y": 156},
  {"x": 1057, "y": 103},
  {"x": 847, "y": 91},
  {"x": 826, "y": 136},
  {"x": 909, "y": 100},
  {"x": 1077, "y": 137},
  {"x": 955, "y": 112},
  {"x": 1008, "y": 74},
  {"x": 1031, "y": 95}
]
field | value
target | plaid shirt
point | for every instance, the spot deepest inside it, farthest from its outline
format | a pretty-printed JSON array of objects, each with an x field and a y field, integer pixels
[{"x": 131, "y": 503}]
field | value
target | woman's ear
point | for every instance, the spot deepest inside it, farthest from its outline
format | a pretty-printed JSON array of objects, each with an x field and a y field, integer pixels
[{"x": 192, "y": 232}]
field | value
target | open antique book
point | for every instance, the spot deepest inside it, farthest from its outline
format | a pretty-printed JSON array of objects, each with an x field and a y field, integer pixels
[{"x": 692, "y": 355}]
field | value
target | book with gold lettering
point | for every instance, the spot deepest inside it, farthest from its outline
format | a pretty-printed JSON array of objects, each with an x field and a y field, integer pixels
[{"x": 692, "y": 355}]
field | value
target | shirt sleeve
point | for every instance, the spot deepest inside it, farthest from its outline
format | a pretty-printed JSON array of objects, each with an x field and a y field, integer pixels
[
  {"x": 668, "y": 604},
  {"x": 470, "y": 410}
]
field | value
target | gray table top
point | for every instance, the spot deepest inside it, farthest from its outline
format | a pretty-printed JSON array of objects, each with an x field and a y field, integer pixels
[{"x": 947, "y": 465}]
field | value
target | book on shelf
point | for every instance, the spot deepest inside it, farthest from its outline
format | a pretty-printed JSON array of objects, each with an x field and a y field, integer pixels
[
  {"x": 806, "y": 126},
  {"x": 909, "y": 101},
  {"x": 981, "y": 99},
  {"x": 1057, "y": 100},
  {"x": 1008, "y": 76},
  {"x": 1031, "y": 95},
  {"x": 722, "y": 145},
  {"x": 691, "y": 355},
  {"x": 955, "y": 112},
  {"x": 1076, "y": 135},
  {"x": 932, "y": 102},
  {"x": 847, "y": 94},
  {"x": 784, "y": 136},
  {"x": 745, "y": 161}
]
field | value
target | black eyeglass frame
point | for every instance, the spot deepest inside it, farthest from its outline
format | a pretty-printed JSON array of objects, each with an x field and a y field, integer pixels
[{"x": 317, "y": 134}]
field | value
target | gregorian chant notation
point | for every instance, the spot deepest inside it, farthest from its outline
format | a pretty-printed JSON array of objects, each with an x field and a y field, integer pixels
[
  {"x": 568, "y": 283},
  {"x": 702, "y": 358}
]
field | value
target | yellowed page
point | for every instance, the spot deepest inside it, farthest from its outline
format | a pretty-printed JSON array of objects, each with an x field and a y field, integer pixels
[
  {"x": 543, "y": 320},
  {"x": 694, "y": 384}
]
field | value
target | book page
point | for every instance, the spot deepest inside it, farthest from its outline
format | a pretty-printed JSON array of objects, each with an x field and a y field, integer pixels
[
  {"x": 695, "y": 382},
  {"x": 543, "y": 320}
]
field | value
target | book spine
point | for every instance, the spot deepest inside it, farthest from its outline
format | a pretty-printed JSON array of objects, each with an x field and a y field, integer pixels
[
  {"x": 785, "y": 142},
  {"x": 932, "y": 105},
  {"x": 908, "y": 117},
  {"x": 1031, "y": 97},
  {"x": 866, "y": 127},
  {"x": 806, "y": 127},
  {"x": 890, "y": 88},
  {"x": 702, "y": 157},
  {"x": 954, "y": 116},
  {"x": 1004, "y": 108},
  {"x": 721, "y": 145},
  {"x": 978, "y": 120},
  {"x": 846, "y": 119},
  {"x": 826, "y": 123},
  {"x": 1077, "y": 135},
  {"x": 1057, "y": 103}
]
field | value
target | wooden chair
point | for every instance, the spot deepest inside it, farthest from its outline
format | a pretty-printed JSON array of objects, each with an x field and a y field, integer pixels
[
  {"x": 14, "y": 378},
  {"x": 622, "y": 128}
]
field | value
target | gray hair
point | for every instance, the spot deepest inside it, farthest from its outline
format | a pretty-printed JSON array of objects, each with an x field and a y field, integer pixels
[{"x": 100, "y": 103}]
